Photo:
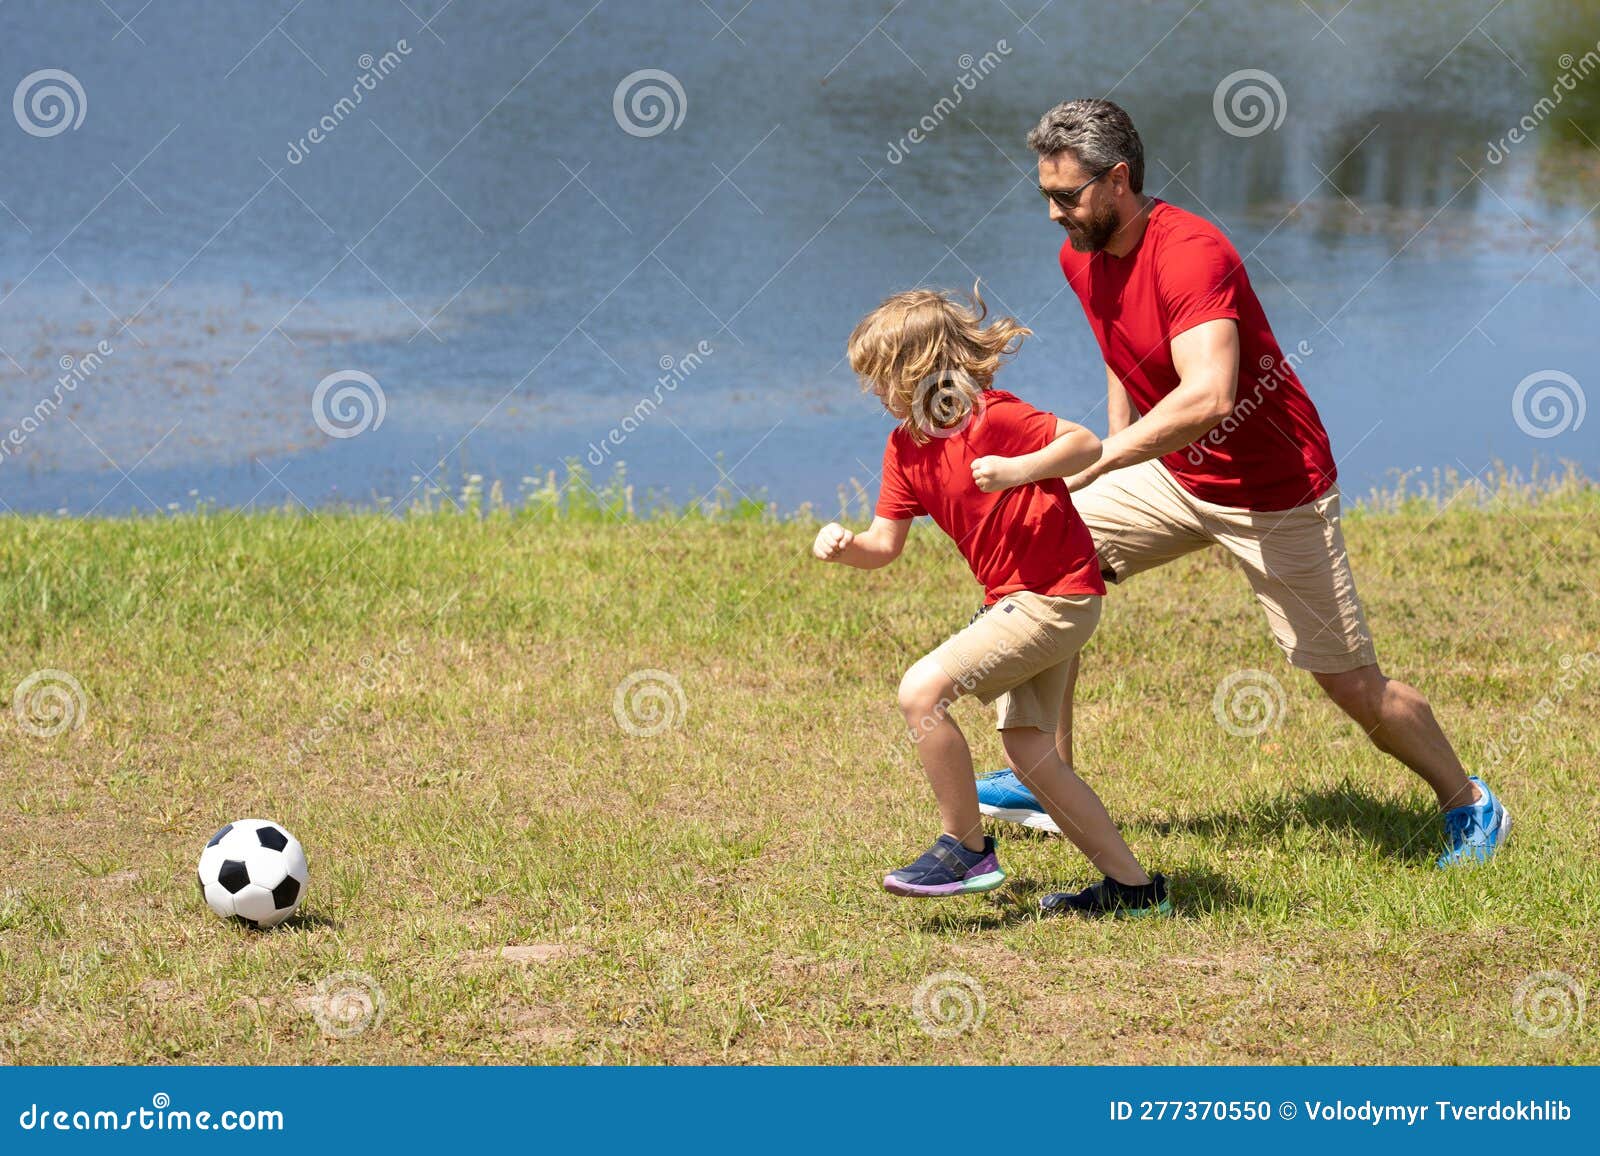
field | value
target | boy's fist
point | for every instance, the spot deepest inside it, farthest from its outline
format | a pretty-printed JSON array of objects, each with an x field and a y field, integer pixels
[
  {"x": 832, "y": 541},
  {"x": 996, "y": 473}
]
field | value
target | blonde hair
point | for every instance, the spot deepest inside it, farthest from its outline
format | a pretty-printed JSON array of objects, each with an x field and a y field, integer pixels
[{"x": 928, "y": 356}]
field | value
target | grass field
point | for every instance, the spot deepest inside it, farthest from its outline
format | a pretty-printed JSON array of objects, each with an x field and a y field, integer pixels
[{"x": 429, "y": 703}]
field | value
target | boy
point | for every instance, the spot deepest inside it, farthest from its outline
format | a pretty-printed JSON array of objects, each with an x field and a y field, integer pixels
[{"x": 932, "y": 363}]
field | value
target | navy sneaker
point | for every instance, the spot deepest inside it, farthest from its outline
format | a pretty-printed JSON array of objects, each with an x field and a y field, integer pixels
[
  {"x": 1475, "y": 830},
  {"x": 1108, "y": 897},
  {"x": 1001, "y": 795},
  {"x": 948, "y": 868}
]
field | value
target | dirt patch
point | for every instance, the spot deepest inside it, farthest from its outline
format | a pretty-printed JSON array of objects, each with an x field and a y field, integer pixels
[{"x": 524, "y": 954}]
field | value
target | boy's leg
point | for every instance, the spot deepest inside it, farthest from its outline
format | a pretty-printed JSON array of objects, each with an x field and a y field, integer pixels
[
  {"x": 1076, "y": 809},
  {"x": 1064, "y": 724},
  {"x": 926, "y": 694},
  {"x": 1139, "y": 520}
]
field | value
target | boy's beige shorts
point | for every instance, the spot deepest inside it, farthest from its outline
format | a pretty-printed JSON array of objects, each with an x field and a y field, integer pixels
[
  {"x": 1295, "y": 559},
  {"x": 1019, "y": 653}
]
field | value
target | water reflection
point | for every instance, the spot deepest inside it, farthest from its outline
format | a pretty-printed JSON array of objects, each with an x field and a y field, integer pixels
[{"x": 517, "y": 302}]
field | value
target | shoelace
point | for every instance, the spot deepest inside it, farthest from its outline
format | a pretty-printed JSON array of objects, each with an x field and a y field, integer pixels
[{"x": 1462, "y": 825}]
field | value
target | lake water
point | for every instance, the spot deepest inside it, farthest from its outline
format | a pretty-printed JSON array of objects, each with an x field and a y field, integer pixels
[{"x": 484, "y": 238}]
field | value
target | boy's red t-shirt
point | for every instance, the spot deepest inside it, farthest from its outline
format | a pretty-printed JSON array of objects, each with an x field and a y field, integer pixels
[
  {"x": 1272, "y": 452},
  {"x": 1026, "y": 538}
]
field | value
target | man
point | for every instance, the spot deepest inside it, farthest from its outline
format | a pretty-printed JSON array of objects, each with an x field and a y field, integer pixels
[{"x": 1212, "y": 441}]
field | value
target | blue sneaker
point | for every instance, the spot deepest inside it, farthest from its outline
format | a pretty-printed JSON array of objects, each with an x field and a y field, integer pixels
[
  {"x": 948, "y": 868},
  {"x": 1476, "y": 830},
  {"x": 1001, "y": 795}
]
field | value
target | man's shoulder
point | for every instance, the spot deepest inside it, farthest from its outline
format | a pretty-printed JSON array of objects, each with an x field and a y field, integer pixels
[{"x": 1173, "y": 224}]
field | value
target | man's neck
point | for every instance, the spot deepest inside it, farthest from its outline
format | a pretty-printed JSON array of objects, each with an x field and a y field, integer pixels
[{"x": 1127, "y": 238}]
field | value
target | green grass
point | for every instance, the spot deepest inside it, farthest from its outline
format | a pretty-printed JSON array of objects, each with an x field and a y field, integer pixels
[{"x": 427, "y": 702}]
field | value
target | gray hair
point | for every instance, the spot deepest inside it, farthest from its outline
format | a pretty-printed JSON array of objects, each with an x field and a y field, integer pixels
[{"x": 1097, "y": 133}]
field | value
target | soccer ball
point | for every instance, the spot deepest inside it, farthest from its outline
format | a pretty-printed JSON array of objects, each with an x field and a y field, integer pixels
[{"x": 254, "y": 871}]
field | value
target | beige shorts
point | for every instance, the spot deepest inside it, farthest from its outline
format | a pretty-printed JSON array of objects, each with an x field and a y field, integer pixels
[
  {"x": 1018, "y": 654},
  {"x": 1141, "y": 517}
]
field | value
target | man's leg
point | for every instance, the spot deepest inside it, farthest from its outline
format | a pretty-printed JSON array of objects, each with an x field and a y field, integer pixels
[
  {"x": 1300, "y": 569},
  {"x": 1399, "y": 721}
]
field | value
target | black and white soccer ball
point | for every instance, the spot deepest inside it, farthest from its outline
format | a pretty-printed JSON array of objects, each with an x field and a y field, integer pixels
[{"x": 254, "y": 871}]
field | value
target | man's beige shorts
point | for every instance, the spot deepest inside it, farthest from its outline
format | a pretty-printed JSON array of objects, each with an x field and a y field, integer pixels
[
  {"x": 1020, "y": 653},
  {"x": 1140, "y": 517}
]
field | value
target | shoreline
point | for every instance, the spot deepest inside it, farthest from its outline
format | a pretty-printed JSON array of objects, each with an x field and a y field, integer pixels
[{"x": 580, "y": 498}]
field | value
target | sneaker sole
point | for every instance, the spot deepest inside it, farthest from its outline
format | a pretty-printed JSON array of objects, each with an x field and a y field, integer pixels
[
  {"x": 985, "y": 882},
  {"x": 1161, "y": 909},
  {"x": 1038, "y": 820}
]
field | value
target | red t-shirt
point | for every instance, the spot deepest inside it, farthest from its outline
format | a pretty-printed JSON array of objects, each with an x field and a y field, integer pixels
[
  {"x": 1272, "y": 452},
  {"x": 1025, "y": 538}
]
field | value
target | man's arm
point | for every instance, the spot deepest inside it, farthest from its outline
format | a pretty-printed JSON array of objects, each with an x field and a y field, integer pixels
[
  {"x": 1073, "y": 449},
  {"x": 1119, "y": 409},
  {"x": 878, "y": 545},
  {"x": 1207, "y": 360}
]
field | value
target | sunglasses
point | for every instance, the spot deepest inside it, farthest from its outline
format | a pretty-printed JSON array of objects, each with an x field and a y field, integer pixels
[{"x": 1067, "y": 199}]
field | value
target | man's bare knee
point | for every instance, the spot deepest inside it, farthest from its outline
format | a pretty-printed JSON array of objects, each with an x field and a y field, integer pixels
[{"x": 1359, "y": 693}]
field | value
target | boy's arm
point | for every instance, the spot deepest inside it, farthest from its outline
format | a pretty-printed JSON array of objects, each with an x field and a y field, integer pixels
[
  {"x": 878, "y": 545},
  {"x": 1073, "y": 450}
]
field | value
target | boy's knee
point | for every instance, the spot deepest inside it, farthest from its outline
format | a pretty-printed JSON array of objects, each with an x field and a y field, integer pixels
[{"x": 921, "y": 694}]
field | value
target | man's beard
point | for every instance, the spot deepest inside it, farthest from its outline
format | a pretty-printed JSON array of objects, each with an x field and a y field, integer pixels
[{"x": 1096, "y": 235}]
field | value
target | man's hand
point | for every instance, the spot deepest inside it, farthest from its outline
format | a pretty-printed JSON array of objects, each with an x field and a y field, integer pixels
[
  {"x": 996, "y": 473},
  {"x": 832, "y": 541}
]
